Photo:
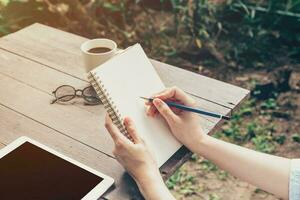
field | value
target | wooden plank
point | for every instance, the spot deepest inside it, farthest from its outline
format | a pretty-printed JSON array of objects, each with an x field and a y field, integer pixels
[
  {"x": 207, "y": 88},
  {"x": 62, "y": 119},
  {"x": 21, "y": 77},
  {"x": 14, "y": 125},
  {"x": 62, "y": 52},
  {"x": 59, "y": 51},
  {"x": 70, "y": 120},
  {"x": 42, "y": 78},
  {"x": 26, "y": 42},
  {"x": 47, "y": 79}
]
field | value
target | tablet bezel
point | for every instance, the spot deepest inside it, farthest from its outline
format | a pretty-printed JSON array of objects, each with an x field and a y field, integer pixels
[{"x": 94, "y": 193}]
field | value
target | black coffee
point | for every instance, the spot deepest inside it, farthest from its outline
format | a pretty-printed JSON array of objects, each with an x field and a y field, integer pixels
[{"x": 99, "y": 50}]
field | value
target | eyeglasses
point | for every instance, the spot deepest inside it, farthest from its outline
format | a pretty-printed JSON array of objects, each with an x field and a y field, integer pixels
[{"x": 66, "y": 93}]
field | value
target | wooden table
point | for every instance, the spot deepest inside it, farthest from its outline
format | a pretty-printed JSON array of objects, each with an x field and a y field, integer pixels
[{"x": 37, "y": 59}]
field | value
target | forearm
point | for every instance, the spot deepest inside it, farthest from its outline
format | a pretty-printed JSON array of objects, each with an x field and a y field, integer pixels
[
  {"x": 154, "y": 188},
  {"x": 270, "y": 173}
]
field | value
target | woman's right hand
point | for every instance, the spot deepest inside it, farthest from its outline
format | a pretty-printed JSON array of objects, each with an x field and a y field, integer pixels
[{"x": 184, "y": 125}]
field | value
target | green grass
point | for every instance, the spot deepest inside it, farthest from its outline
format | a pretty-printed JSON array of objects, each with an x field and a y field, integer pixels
[
  {"x": 270, "y": 103},
  {"x": 183, "y": 183},
  {"x": 246, "y": 33},
  {"x": 243, "y": 128},
  {"x": 214, "y": 196},
  {"x": 247, "y": 127}
]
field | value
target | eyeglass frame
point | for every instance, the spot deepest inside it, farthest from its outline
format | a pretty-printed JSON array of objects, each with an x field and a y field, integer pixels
[{"x": 74, "y": 95}]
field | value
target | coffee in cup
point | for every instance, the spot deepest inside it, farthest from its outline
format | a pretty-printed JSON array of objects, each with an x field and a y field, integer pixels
[{"x": 97, "y": 51}]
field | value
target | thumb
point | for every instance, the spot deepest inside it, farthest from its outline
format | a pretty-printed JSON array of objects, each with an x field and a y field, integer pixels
[
  {"x": 131, "y": 130},
  {"x": 165, "y": 111}
]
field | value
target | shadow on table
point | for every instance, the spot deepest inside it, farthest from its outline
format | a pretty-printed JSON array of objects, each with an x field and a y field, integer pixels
[{"x": 127, "y": 186}]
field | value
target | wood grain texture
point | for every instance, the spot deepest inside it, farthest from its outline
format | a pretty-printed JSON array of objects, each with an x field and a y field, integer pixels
[
  {"x": 62, "y": 52},
  {"x": 37, "y": 59},
  {"x": 33, "y": 86},
  {"x": 70, "y": 120},
  {"x": 47, "y": 79},
  {"x": 38, "y": 76},
  {"x": 42, "y": 79},
  {"x": 14, "y": 125},
  {"x": 207, "y": 88}
]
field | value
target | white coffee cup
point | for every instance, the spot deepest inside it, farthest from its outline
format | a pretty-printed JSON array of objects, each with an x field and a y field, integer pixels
[{"x": 92, "y": 60}]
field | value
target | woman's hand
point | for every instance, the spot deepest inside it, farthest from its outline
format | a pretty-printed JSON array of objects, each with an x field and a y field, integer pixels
[
  {"x": 184, "y": 125},
  {"x": 135, "y": 157}
]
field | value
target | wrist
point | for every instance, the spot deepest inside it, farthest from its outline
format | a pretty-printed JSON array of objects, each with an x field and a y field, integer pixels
[
  {"x": 201, "y": 143},
  {"x": 149, "y": 178},
  {"x": 153, "y": 187}
]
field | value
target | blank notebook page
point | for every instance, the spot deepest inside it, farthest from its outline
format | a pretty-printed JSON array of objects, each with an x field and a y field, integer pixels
[{"x": 128, "y": 76}]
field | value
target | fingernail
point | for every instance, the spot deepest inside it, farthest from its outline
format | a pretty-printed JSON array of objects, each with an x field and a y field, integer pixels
[
  {"x": 157, "y": 102},
  {"x": 126, "y": 120},
  {"x": 147, "y": 112}
]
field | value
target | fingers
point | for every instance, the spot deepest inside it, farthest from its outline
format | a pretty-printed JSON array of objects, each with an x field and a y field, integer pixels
[
  {"x": 165, "y": 111},
  {"x": 176, "y": 94},
  {"x": 173, "y": 94},
  {"x": 114, "y": 132},
  {"x": 130, "y": 127},
  {"x": 151, "y": 110}
]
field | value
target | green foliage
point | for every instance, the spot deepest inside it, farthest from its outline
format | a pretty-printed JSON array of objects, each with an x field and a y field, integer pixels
[
  {"x": 183, "y": 182},
  {"x": 4, "y": 29},
  {"x": 112, "y": 7},
  {"x": 246, "y": 110},
  {"x": 4, "y": 2},
  {"x": 208, "y": 166},
  {"x": 264, "y": 143},
  {"x": 257, "y": 132},
  {"x": 179, "y": 177},
  {"x": 240, "y": 33},
  {"x": 280, "y": 139},
  {"x": 249, "y": 32},
  {"x": 270, "y": 104},
  {"x": 214, "y": 196},
  {"x": 296, "y": 137}
]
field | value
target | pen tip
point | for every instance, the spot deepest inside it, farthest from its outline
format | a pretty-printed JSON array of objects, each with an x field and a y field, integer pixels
[{"x": 147, "y": 99}]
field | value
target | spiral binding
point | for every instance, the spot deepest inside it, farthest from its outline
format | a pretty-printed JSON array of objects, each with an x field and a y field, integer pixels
[{"x": 108, "y": 103}]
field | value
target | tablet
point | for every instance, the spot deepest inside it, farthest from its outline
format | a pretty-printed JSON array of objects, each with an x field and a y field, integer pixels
[{"x": 30, "y": 170}]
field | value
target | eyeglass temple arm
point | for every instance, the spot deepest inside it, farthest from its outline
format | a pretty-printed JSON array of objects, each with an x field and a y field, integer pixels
[{"x": 53, "y": 101}]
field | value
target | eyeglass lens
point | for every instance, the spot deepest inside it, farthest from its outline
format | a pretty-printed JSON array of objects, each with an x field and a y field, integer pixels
[
  {"x": 65, "y": 93},
  {"x": 90, "y": 95}
]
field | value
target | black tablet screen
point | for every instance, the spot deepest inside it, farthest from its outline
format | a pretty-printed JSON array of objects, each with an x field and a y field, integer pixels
[{"x": 29, "y": 172}]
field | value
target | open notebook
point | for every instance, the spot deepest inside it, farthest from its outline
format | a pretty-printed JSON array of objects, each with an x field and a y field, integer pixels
[{"x": 119, "y": 83}]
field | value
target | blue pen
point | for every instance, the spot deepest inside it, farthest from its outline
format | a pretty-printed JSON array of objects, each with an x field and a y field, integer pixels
[{"x": 190, "y": 109}]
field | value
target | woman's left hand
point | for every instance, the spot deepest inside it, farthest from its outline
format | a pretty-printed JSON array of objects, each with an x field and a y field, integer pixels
[
  {"x": 133, "y": 155},
  {"x": 138, "y": 161}
]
